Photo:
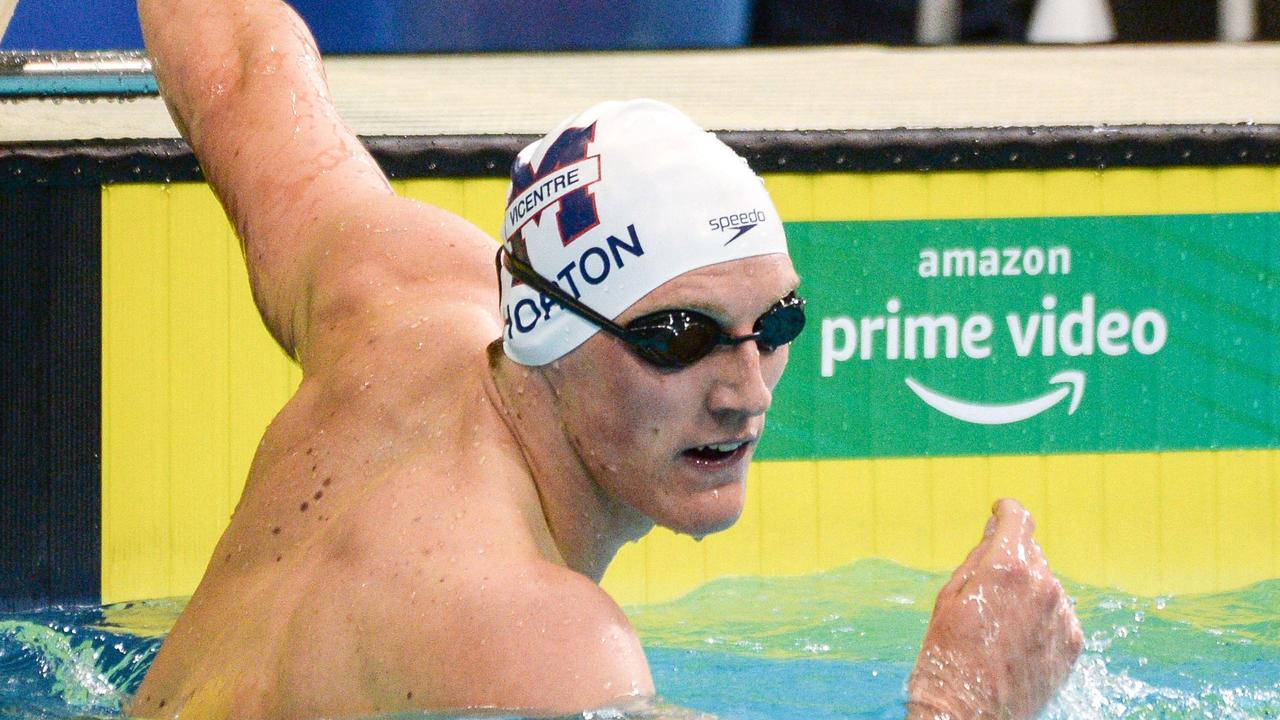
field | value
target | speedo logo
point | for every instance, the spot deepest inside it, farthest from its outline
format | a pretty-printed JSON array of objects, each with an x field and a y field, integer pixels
[{"x": 739, "y": 224}]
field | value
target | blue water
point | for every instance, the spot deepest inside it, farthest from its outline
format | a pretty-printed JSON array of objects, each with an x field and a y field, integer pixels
[{"x": 834, "y": 645}]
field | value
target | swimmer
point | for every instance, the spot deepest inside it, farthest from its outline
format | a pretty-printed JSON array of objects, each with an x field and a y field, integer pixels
[{"x": 426, "y": 521}]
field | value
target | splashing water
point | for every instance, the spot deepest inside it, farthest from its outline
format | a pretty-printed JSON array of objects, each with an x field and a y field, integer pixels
[
  {"x": 842, "y": 643},
  {"x": 72, "y": 662},
  {"x": 833, "y": 645}
]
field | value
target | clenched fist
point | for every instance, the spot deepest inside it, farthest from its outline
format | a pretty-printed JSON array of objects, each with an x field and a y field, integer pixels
[{"x": 1003, "y": 635}]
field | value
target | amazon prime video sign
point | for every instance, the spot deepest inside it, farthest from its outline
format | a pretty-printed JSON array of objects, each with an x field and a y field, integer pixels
[{"x": 1031, "y": 335}]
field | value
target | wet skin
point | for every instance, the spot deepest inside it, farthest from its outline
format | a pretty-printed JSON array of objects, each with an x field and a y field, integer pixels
[
  {"x": 421, "y": 529},
  {"x": 424, "y": 522},
  {"x": 637, "y": 430},
  {"x": 418, "y": 529}
]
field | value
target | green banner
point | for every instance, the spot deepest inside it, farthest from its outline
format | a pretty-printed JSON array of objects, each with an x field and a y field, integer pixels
[{"x": 1033, "y": 335}]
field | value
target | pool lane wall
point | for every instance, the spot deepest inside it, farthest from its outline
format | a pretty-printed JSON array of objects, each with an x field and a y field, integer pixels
[{"x": 1163, "y": 480}]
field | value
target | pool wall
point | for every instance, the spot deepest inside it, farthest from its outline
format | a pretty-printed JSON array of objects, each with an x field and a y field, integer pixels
[
  {"x": 1150, "y": 519},
  {"x": 1163, "y": 479}
]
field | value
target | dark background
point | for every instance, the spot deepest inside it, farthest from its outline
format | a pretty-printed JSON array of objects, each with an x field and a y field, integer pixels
[
  {"x": 343, "y": 26},
  {"x": 50, "y": 358}
]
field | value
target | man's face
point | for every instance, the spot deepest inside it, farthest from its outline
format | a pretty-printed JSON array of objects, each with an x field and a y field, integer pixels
[{"x": 674, "y": 446}]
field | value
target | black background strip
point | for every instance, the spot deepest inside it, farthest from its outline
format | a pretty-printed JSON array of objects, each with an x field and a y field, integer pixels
[{"x": 50, "y": 380}]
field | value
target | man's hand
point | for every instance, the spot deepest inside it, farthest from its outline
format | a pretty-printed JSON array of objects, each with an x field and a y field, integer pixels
[{"x": 1003, "y": 635}]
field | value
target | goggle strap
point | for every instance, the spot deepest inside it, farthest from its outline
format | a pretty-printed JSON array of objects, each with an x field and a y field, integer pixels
[
  {"x": 525, "y": 273},
  {"x": 522, "y": 271}
]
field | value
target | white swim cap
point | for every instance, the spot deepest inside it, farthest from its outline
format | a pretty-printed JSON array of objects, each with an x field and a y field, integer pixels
[{"x": 612, "y": 204}]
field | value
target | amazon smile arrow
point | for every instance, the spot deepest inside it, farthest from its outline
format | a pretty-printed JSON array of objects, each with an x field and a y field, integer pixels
[{"x": 1002, "y": 414}]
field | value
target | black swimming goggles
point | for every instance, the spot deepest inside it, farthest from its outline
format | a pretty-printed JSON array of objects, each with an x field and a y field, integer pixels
[{"x": 670, "y": 339}]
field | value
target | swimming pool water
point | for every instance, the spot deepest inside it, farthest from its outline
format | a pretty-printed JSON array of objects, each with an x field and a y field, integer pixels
[{"x": 833, "y": 645}]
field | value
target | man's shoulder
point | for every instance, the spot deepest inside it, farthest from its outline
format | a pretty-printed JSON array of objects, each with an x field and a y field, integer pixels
[
  {"x": 452, "y": 631},
  {"x": 535, "y": 636},
  {"x": 400, "y": 270}
]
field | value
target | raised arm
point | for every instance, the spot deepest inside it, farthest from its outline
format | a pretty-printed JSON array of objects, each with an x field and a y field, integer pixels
[{"x": 244, "y": 83}]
